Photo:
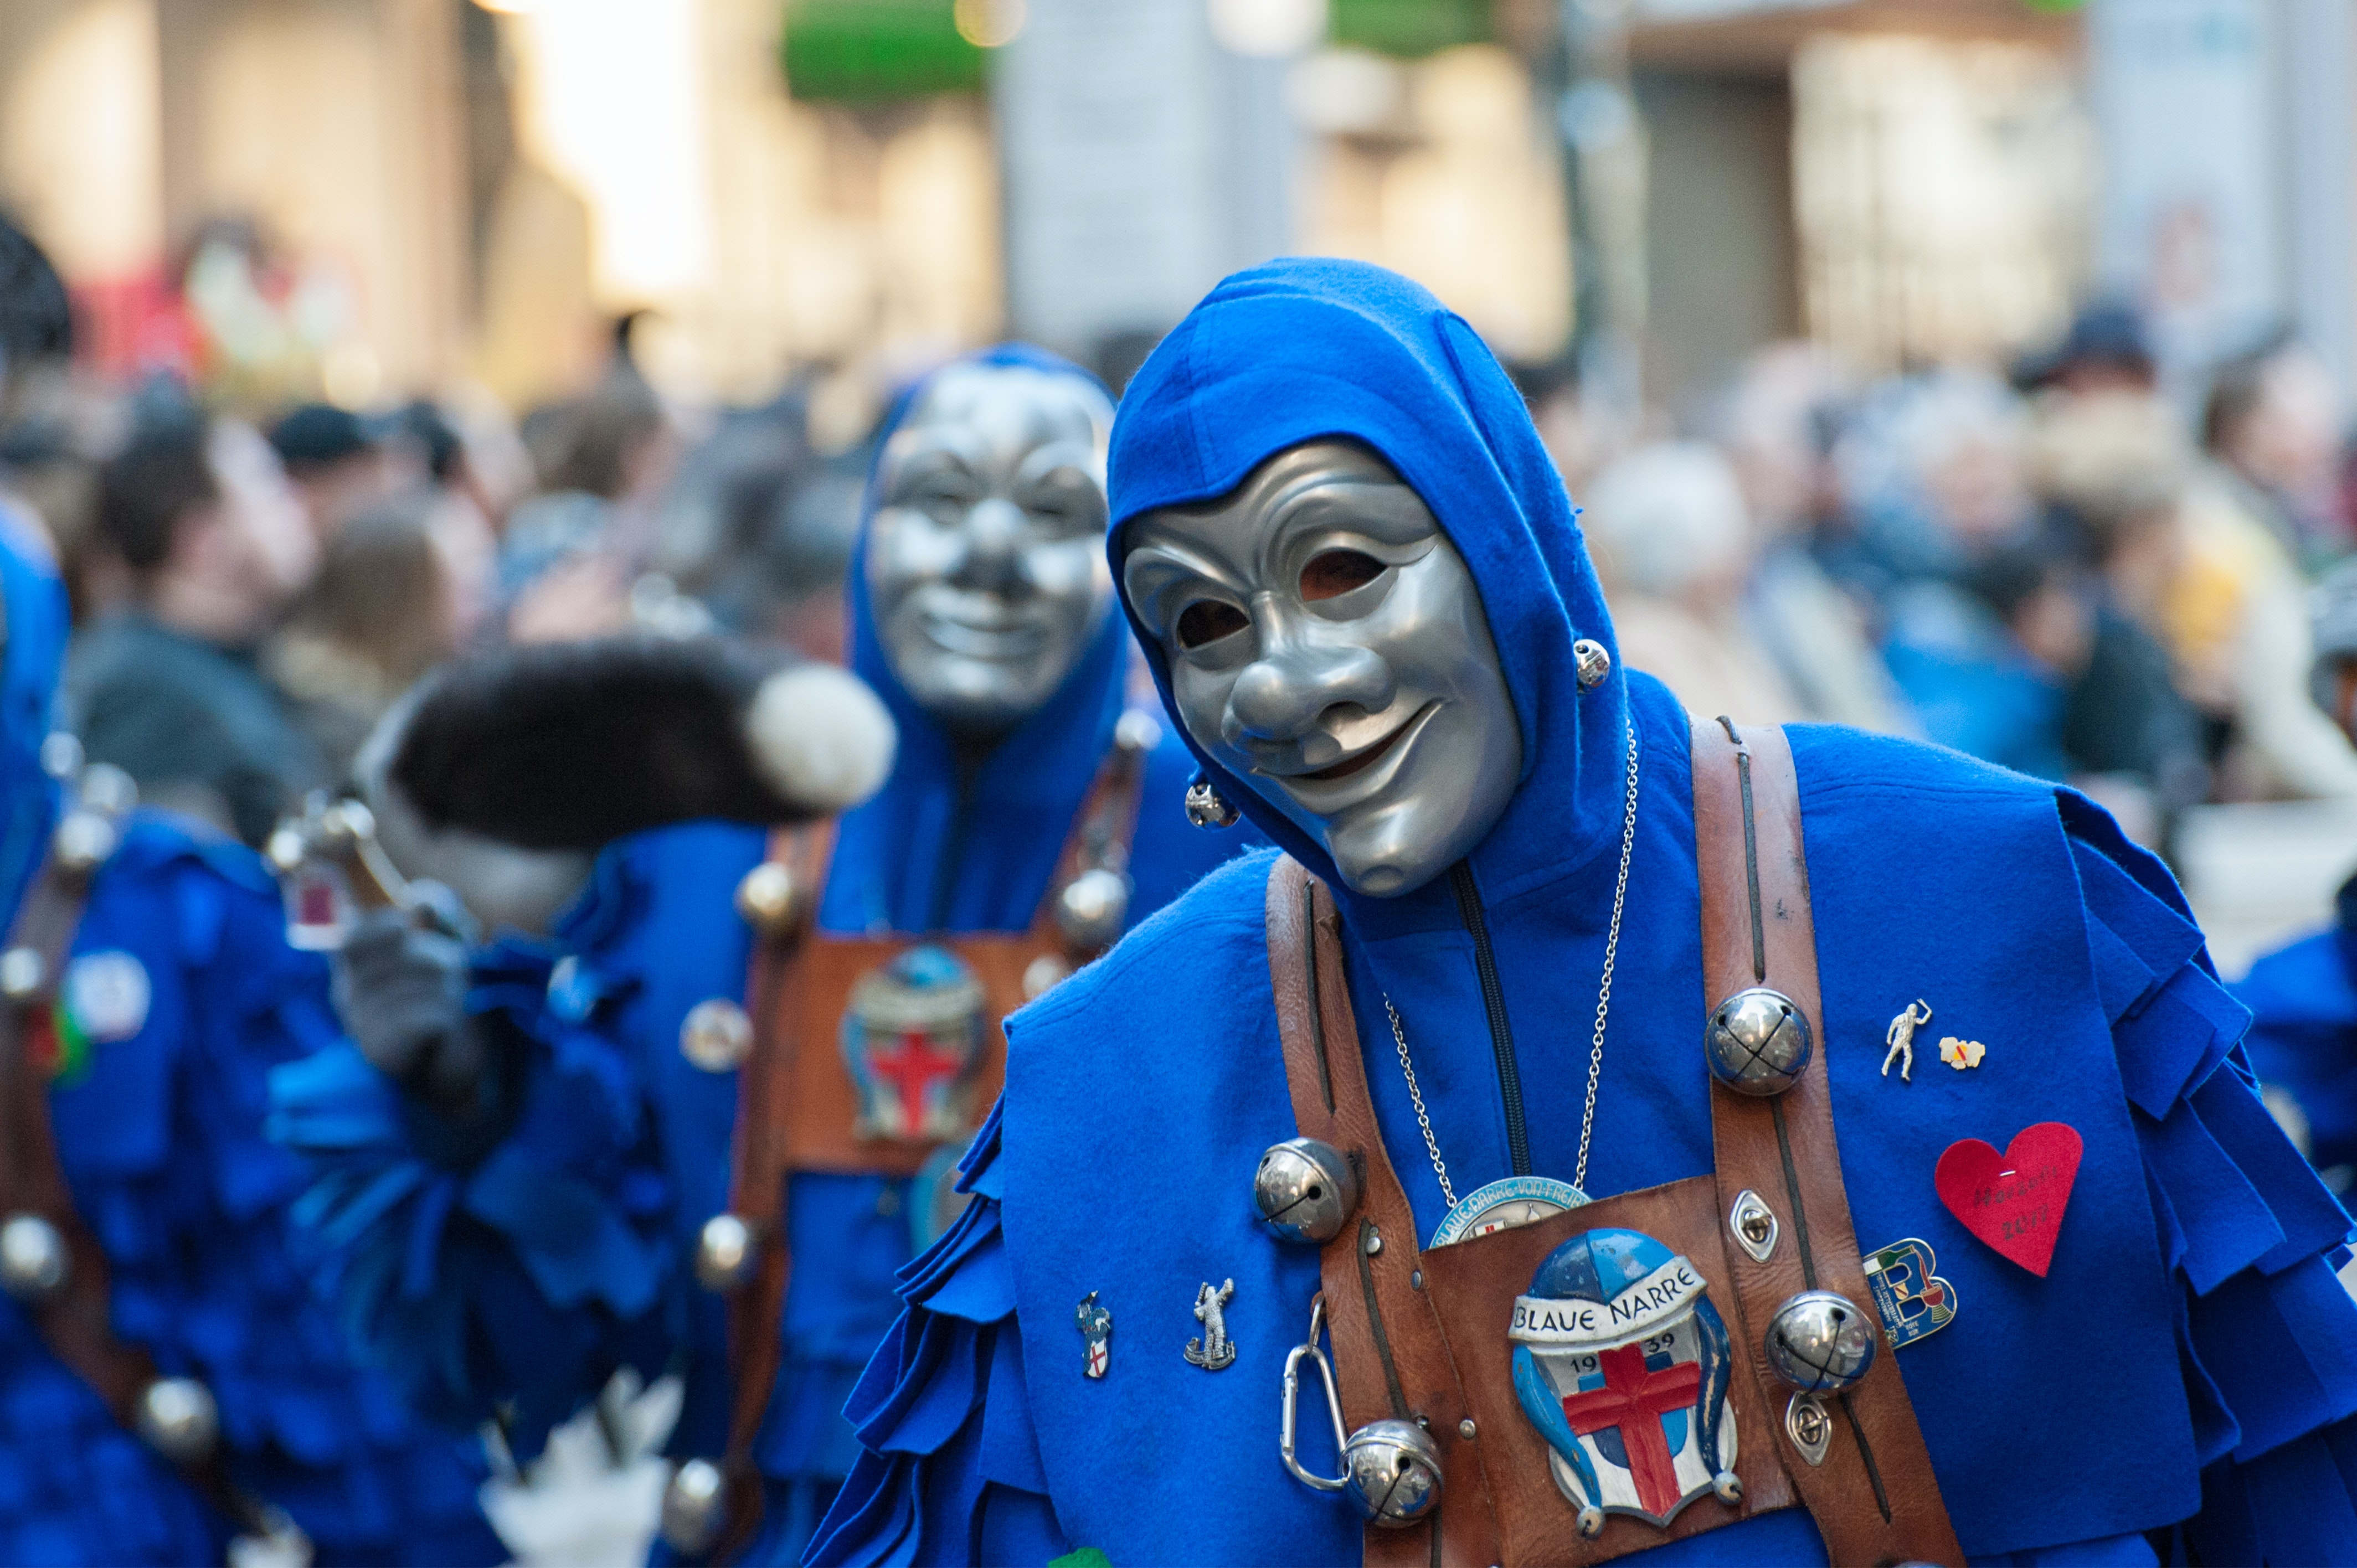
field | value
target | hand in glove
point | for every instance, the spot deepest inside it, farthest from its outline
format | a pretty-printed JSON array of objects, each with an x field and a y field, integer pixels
[{"x": 401, "y": 990}]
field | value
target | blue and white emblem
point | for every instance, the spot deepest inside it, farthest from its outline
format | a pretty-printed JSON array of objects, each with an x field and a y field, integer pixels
[{"x": 1623, "y": 1365}]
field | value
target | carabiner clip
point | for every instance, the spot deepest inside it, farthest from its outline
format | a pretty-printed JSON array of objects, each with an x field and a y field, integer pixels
[{"x": 1293, "y": 1395}]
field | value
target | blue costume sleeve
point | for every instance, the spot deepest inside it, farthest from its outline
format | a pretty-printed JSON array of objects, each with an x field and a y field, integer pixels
[
  {"x": 951, "y": 1469},
  {"x": 2267, "y": 1329},
  {"x": 513, "y": 1281},
  {"x": 2303, "y": 1040},
  {"x": 180, "y": 996}
]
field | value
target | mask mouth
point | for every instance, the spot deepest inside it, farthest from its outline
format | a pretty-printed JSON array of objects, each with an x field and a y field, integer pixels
[
  {"x": 1356, "y": 777},
  {"x": 971, "y": 631}
]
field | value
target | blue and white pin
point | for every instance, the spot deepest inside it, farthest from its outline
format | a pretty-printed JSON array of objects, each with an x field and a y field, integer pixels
[{"x": 1096, "y": 1332}]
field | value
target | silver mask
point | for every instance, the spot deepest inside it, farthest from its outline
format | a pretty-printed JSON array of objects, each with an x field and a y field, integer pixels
[
  {"x": 1328, "y": 645},
  {"x": 985, "y": 558}
]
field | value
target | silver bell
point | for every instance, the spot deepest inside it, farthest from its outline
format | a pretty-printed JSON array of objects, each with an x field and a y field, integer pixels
[
  {"x": 83, "y": 839},
  {"x": 1206, "y": 808},
  {"x": 1306, "y": 1191},
  {"x": 1043, "y": 974},
  {"x": 21, "y": 974},
  {"x": 178, "y": 1418},
  {"x": 1591, "y": 662},
  {"x": 726, "y": 1252},
  {"x": 770, "y": 899},
  {"x": 717, "y": 1035},
  {"x": 1136, "y": 732},
  {"x": 695, "y": 1507},
  {"x": 1093, "y": 908},
  {"x": 1820, "y": 1342},
  {"x": 60, "y": 754},
  {"x": 1395, "y": 1472},
  {"x": 33, "y": 1258},
  {"x": 108, "y": 790},
  {"x": 1757, "y": 1042}
]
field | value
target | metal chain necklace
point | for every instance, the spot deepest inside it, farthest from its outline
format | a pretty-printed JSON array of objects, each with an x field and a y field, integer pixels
[{"x": 1456, "y": 1226}]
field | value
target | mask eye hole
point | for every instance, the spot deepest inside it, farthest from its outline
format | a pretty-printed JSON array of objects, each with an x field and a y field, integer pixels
[
  {"x": 1333, "y": 573},
  {"x": 1208, "y": 620}
]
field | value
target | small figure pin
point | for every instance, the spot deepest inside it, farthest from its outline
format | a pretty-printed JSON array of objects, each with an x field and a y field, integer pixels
[
  {"x": 1900, "y": 1037},
  {"x": 1962, "y": 1054},
  {"x": 1096, "y": 1328},
  {"x": 1214, "y": 1350}
]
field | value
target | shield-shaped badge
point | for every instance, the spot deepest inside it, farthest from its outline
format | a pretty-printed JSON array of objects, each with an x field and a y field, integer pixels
[
  {"x": 912, "y": 1038},
  {"x": 1622, "y": 1363}
]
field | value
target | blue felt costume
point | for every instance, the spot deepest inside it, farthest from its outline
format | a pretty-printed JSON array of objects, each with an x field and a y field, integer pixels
[
  {"x": 2191, "y": 1355},
  {"x": 2303, "y": 1042},
  {"x": 157, "y": 1117},
  {"x": 529, "y": 1271}
]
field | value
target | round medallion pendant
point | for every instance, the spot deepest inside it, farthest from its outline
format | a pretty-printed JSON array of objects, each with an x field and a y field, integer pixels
[{"x": 1502, "y": 1204}]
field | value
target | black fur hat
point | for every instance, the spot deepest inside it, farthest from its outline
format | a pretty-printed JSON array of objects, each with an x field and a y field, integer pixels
[{"x": 570, "y": 745}]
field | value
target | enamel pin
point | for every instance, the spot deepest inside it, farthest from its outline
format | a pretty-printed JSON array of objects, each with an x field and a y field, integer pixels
[
  {"x": 1913, "y": 1301},
  {"x": 1504, "y": 1204},
  {"x": 1900, "y": 1038},
  {"x": 1096, "y": 1330},
  {"x": 1212, "y": 1349},
  {"x": 1962, "y": 1054}
]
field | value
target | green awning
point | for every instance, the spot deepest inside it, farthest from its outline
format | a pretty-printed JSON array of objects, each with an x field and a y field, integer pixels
[
  {"x": 1409, "y": 28},
  {"x": 865, "y": 51}
]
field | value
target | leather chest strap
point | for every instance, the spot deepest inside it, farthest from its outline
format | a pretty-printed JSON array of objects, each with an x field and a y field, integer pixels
[
  {"x": 76, "y": 1321},
  {"x": 1874, "y": 1498},
  {"x": 1373, "y": 1288}
]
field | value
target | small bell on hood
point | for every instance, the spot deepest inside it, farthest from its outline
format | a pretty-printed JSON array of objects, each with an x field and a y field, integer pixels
[{"x": 1206, "y": 808}]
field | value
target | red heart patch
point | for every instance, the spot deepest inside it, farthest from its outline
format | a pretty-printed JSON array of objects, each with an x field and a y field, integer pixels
[{"x": 2012, "y": 1201}]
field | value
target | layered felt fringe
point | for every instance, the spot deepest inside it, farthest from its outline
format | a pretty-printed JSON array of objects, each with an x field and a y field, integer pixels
[
  {"x": 952, "y": 1470},
  {"x": 192, "y": 1208}
]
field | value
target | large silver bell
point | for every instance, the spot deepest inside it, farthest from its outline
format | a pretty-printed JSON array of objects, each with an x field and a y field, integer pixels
[
  {"x": 769, "y": 898},
  {"x": 1093, "y": 908},
  {"x": 1395, "y": 1472},
  {"x": 1757, "y": 1042},
  {"x": 178, "y": 1418},
  {"x": 717, "y": 1035},
  {"x": 1306, "y": 1191},
  {"x": 33, "y": 1258},
  {"x": 1136, "y": 732},
  {"x": 1206, "y": 808},
  {"x": 695, "y": 1507},
  {"x": 1820, "y": 1342},
  {"x": 726, "y": 1252}
]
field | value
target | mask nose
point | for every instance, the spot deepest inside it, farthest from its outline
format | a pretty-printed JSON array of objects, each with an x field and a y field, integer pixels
[
  {"x": 1281, "y": 695},
  {"x": 992, "y": 559}
]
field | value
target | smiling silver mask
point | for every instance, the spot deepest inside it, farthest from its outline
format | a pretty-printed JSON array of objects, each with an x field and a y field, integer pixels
[
  {"x": 1328, "y": 645},
  {"x": 985, "y": 558}
]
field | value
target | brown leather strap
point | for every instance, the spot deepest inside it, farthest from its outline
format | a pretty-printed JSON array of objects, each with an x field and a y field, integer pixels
[
  {"x": 76, "y": 1323},
  {"x": 1875, "y": 1499},
  {"x": 1392, "y": 1357}
]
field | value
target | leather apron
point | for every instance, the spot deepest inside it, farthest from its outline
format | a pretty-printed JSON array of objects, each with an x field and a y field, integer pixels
[{"x": 1423, "y": 1335}]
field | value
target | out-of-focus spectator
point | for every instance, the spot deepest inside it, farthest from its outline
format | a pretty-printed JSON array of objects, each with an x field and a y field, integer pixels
[
  {"x": 1776, "y": 428},
  {"x": 460, "y": 517},
  {"x": 381, "y": 613},
  {"x": 570, "y": 557},
  {"x": 168, "y": 687},
  {"x": 2108, "y": 350},
  {"x": 2235, "y": 613},
  {"x": 2272, "y": 423},
  {"x": 1932, "y": 470},
  {"x": 1673, "y": 547},
  {"x": 2113, "y": 466},
  {"x": 337, "y": 462},
  {"x": 1988, "y": 661}
]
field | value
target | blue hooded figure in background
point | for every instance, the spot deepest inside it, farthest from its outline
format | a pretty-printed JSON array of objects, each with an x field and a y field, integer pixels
[
  {"x": 168, "y": 1381},
  {"x": 1366, "y": 600},
  {"x": 704, "y": 1128}
]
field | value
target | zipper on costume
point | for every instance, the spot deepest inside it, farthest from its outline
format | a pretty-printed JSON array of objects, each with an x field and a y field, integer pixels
[{"x": 1493, "y": 999}]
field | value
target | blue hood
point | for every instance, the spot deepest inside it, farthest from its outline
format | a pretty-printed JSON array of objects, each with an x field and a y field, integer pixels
[
  {"x": 1003, "y": 829},
  {"x": 34, "y": 603},
  {"x": 1252, "y": 371}
]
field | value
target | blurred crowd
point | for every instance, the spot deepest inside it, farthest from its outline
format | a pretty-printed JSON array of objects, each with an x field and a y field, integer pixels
[{"x": 2064, "y": 570}]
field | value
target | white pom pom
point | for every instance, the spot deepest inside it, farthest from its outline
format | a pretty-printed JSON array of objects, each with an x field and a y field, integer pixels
[{"x": 820, "y": 738}]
